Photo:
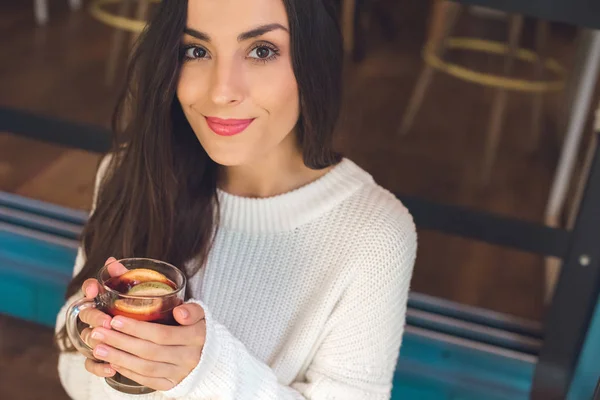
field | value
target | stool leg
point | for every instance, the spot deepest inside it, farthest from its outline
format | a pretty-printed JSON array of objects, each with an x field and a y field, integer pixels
[
  {"x": 40, "y": 10},
  {"x": 363, "y": 15},
  {"x": 75, "y": 4},
  {"x": 348, "y": 12},
  {"x": 140, "y": 14},
  {"x": 541, "y": 40},
  {"x": 443, "y": 19},
  {"x": 116, "y": 46},
  {"x": 499, "y": 106},
  {"x": 380, "y": 10}
]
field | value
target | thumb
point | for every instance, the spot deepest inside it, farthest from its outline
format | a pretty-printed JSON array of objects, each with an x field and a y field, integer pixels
[
  {"x": 115, "y": 268},
  {"x": 90, "y": 288},
  {"x": 188, "y": 314}
]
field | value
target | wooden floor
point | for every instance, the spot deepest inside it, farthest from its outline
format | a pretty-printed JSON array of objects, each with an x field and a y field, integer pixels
[
  {"x": 59, "y": 70},
  {"x": 27, "y": 362}
]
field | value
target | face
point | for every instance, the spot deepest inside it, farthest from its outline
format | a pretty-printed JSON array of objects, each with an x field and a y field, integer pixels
[{"x": 237, "y": 87}]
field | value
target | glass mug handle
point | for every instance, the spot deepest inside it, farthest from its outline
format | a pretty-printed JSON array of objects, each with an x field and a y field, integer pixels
[{"x": 72, "y": 330}]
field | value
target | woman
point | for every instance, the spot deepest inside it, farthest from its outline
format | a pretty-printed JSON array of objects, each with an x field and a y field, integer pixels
[{"x": 298, "y": 263}]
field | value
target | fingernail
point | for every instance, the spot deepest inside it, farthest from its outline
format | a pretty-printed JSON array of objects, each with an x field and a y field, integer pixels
[
  {"x": 108, "y": 370},
  {"x": 101, "y": 351},
  {"x": 116, "y": 323},
  {"x": 97, "y": 335},
  {"x": 86, "y": 292},
  {"x": 184, "y": 313}
]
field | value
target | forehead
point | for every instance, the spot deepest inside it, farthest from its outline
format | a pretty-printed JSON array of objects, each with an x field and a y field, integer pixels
[{"x": 217, "y": 17}]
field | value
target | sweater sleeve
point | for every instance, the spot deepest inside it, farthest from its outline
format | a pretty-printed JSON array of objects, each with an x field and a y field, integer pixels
[
  {"x": 356, "y": 360},
  {"x": 74, "y": 378}
]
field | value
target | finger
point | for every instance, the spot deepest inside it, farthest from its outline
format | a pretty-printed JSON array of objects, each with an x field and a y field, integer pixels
[
  {"x": 100, "y": 369},
  {"x": 160, "y": 384},
  {"x": 90, "y": 288},
  {"x": 94, "y": 318},
  {"x": 165, "y": 335},
  {"x": 86, "y": 336},
  {"x": 138, "y": 347},
  {"x": 188, "y": 314},
  {"x": 151, "y": 369},
  {"x": 110, "y": 260},
  {"x": 114, "y": 267}
]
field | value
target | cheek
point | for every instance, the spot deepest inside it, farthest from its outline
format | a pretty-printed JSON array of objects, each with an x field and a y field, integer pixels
[
  {"x": 278, "y": 94},
  {"x": 189, "y": 87}
]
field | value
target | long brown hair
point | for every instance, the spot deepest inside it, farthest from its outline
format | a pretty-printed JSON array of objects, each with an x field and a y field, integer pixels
[{"x": 158, "y": 197}]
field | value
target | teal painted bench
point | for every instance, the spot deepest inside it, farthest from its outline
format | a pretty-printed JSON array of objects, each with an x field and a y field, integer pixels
[{"x": 38, "y": 244}]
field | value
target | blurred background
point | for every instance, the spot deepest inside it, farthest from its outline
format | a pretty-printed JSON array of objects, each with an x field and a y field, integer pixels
[{"x": 466, "y": 143}]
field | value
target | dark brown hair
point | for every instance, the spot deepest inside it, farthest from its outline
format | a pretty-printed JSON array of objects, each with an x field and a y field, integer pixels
[{"x": 158, "y": 197}]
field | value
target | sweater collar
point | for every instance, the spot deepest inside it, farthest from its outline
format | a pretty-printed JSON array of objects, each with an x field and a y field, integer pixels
[{"x": 290, "y": 210}]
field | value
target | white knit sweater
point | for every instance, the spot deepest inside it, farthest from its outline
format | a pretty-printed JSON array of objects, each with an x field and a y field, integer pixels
[{"x": 305, "y": 297}]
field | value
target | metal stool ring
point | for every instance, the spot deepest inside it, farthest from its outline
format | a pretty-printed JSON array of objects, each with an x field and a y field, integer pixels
[
  {"x": 481, "y": 78},
  {"x": 117, "y": 21}
]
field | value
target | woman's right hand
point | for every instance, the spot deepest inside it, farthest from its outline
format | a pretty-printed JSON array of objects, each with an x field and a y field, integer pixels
[{"x": 95, "y": 318}]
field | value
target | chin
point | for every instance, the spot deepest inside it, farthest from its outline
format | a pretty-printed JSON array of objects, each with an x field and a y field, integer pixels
[
  {"x": 227, "y": 159},
  {"x": 227, "y": 155}
]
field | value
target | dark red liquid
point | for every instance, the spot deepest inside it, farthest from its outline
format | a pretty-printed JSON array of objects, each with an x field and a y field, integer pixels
[
  {"x": 124, "y": 285},
  {"x": 157, "y": 309}
]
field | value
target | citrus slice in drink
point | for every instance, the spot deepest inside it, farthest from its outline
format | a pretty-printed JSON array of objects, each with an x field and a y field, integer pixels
[
  {"x": 141, "y": 275},
  {"x": 150, "y": 289},
  {"x": 143, "y": 309}
]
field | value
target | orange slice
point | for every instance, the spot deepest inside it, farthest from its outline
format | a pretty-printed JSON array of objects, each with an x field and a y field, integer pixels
[
  {"x": 140, "y": 275},
  {"x": 140, "y": 309},
  {"x": 150, "y": 289}
]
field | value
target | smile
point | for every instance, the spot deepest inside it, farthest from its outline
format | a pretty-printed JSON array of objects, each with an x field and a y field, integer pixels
[{"x": 228, "y": 127}]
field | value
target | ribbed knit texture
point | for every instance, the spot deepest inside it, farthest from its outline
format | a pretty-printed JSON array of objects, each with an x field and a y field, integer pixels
[{"x": 305, "y": 295}]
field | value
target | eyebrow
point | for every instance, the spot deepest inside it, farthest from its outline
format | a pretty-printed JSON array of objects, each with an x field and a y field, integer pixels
[{"x": 258, "y": 31}]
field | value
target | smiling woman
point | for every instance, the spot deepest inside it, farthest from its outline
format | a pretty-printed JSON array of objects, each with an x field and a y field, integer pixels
[
  {"x": 233, "y": 83},
  {"x": 298, "y": 263}
]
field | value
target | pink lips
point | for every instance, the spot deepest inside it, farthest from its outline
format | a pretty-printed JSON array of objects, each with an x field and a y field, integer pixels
[{"x": 228, "y": 127}]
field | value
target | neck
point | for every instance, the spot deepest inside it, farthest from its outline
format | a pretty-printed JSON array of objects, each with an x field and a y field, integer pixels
[{"x": 278, "y": 173}]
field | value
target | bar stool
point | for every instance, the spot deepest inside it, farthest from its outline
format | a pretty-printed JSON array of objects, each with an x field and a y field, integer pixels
[
  {"x": 123, "y": 25},
  {"x": 443, "y": 19},
  {"x": 40, "y": 10}
]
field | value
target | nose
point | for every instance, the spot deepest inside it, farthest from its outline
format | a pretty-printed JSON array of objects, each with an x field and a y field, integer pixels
[{"x": 227, "y": 83}]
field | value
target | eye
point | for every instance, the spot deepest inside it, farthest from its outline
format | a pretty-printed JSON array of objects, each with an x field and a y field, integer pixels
[
  {"x": 263, "y": 52},
  {"x": 195, "y": 52}
]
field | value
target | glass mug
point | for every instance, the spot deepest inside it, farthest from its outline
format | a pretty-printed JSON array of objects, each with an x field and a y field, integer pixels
[{"x": 113, "y": 300}]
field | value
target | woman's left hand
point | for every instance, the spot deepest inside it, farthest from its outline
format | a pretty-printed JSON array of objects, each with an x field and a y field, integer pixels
[{"x": 153, "y": 355}]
